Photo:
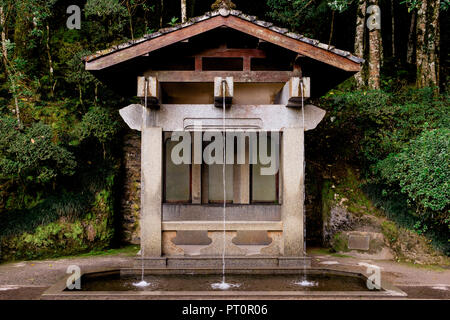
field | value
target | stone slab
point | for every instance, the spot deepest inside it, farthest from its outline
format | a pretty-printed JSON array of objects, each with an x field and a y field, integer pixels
[
  {"x": 358, "y": 242},
  {"x": 218, "y": 225},
  {"x": 211, "y": 212}
]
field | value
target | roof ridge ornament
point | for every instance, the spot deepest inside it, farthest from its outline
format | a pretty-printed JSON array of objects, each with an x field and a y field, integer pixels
[{"x": 223, "y": 5}]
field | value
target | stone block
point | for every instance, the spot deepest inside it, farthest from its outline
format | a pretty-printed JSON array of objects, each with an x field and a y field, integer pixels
[{"x": 359, "y": 242}]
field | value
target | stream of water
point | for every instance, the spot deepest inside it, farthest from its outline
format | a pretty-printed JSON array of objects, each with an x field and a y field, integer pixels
[
  {"x": 224, "y": 285},
  {"x": 143, "y": 283}
]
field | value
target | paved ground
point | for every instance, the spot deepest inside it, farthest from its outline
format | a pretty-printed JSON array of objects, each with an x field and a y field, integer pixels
[{"x": 29, "y": 279}]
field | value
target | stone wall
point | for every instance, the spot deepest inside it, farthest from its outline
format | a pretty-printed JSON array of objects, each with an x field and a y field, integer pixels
[{"x": 130, "y": 201}]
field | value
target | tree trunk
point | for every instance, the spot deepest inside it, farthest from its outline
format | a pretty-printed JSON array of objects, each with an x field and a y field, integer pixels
[
  {"x": 50, "y": 62},
  {"x": 161, "y": 15},
  {"x": 192, "y": 8},
  {"x": 393, "y": 28},
  {"x": 130, "y": 19},
  {"x": 359, "y": 39},
  {"x": 331, "y": 28},
  {"x": 183, "y": 11},
  {"x": 374, "y": 55},
  {"x": 410, "y": 50},
  {"x": 7, "y": 67},
  {"x": 421, "y": 55},
  {"x": 433, "y": 44},
  {"x": 427, "y": 49}
]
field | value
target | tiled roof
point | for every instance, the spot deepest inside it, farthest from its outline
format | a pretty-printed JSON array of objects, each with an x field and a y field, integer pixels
[{"x": 225, "y": 12}]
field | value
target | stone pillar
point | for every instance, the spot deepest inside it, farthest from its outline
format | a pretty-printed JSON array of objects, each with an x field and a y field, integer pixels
[
  {"x": 151, "y": 191},
  {"x": 293, "y": 190}
]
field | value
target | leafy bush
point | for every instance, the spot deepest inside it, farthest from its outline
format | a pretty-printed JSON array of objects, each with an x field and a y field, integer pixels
[
  {"x": 99, "y": 124},
  {"x": 31, "y": 155},
  {"x": 422, "y": 171}
]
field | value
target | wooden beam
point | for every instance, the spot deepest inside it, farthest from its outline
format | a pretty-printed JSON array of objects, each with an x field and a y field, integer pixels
[
  {"x": 292, "y": 44},
  {"x": 208, "y": 76},
  {"x": 247, "y": 64},
  {"x": 232, "y": 53},
  {"x": 198, "y": 64},
  {"x": 154, "y": 44}
]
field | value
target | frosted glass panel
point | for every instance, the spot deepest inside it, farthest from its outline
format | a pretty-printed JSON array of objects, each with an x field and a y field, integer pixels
[
  {"x": 177, "y": 178},
  {"x": 264, "y": 187},
  {"x": 215, "y": 182}
]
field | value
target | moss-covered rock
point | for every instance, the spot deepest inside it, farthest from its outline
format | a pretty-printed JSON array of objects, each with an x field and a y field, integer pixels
[
  {"x": 93, "y": 231},
  {"x": 339, "y": 243}
]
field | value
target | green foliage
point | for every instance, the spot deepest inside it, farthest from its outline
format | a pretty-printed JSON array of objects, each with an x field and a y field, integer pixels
[
  {"x": 107, "y": 17},
  {"x": 173, "y": 21},
  {"x": 61, "y": 225},
  {"x": 339, "y": 5},
  {"x": 339, "y": 243},
  {"x": 76, "y": 72},
  {"x": 422, "y": 170},
  {"x": 400, "y": 140},
  {"x": 98, "y": 123},
  {"x": 297, "y": 14},
  {"x": 31, "y": 155},
  {"x": 390, "y": 231}
]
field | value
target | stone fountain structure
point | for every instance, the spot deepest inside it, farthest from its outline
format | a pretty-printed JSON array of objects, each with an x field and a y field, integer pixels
[{"x": 178, "y": 73}]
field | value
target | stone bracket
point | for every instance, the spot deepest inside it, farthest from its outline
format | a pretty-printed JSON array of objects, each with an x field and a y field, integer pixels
[
  {"x": 291, "y": 94},
  {"x": 153, "y": 91},
  {"x": 219, "y": 94}
]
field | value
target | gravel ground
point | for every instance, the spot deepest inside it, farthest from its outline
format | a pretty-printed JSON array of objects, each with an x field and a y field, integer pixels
[{"x": 29, "y": 279}]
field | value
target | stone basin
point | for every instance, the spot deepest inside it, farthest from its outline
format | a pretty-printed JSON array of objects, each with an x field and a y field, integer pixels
[{"x": 265, "y": 283}]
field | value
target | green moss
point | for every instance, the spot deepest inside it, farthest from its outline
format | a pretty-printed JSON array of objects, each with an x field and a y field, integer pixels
[
  {"x": 93, "y": 231},
  {"x": 390, "y": 231},
  {"x": 327, "y": 199},
  {"x": 339, "y": 243},
  {"x": 128, "y": 251}
]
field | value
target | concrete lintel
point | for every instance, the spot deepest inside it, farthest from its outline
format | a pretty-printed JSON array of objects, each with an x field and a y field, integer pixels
[
  {"x": 182, "y": 117},
  {"x": 218, "y": 225}
]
